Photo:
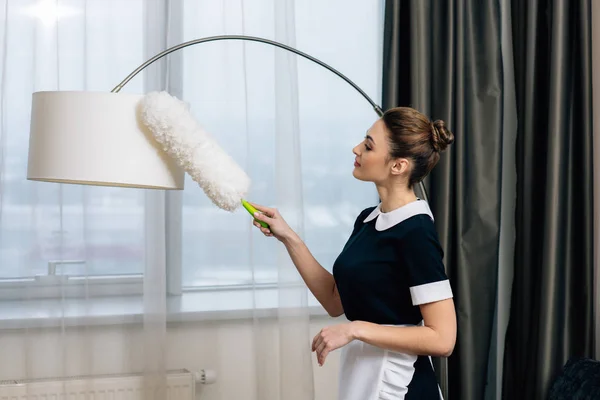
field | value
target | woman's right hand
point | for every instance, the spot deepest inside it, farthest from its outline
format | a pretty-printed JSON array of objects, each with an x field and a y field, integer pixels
[{"x": 277, "y": 225}]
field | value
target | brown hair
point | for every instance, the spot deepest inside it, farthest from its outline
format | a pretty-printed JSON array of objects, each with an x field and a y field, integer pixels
[{"x": 412, "y": 135}]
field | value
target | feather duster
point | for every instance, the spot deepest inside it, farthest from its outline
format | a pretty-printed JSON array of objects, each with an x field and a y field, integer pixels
[{"x": 197, "y": 152}]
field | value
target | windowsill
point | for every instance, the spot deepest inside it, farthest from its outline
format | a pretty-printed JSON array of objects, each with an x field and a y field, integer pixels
[{"x": 191, "y": 306}]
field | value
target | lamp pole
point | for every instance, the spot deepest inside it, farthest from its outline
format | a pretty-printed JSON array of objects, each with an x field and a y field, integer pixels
[{"x": 163, "y": 53}]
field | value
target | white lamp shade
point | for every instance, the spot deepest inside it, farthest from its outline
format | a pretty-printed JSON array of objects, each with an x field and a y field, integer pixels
[{"x": 96, "y": 138}]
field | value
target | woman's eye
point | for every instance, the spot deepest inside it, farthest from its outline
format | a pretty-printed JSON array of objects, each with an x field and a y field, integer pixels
[{"x": 367, "y": 147}]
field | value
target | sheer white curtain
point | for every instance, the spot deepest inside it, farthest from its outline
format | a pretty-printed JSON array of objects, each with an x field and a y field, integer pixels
[
  {"x": 73, "y": 257},
  {"x": 291, "y": 125},
  {"x": 98, "y": 280},
  {"x": 247, "y": 96}
]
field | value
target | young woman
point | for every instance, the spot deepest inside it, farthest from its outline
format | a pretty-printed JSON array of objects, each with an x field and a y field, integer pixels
[{"x": 389, "y": 279}]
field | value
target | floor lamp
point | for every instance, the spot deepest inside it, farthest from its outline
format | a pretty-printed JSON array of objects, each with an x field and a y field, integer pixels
[{"x": 95, "y": 138}]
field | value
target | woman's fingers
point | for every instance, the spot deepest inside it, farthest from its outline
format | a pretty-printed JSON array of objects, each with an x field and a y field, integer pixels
[
  {"x": 263, "y": 217},
  {"x": 323, "y": 355},
  {"x": 265, "y": 231},
  {"x": 316, "y": 340},
  {"x": 321, "y": 351},
  {"x": 267, "y": 210}
]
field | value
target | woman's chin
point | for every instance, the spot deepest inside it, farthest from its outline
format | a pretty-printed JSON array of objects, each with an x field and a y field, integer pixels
[{"x": 356, "y": 173}]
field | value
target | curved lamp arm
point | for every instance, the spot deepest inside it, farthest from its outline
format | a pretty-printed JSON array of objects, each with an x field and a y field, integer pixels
[
  {"x": 251, "y": 39},
  {"x": 160, "y": 55}
]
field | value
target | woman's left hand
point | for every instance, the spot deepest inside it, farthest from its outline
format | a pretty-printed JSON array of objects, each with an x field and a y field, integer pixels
[{"x": 331, "y": 338}]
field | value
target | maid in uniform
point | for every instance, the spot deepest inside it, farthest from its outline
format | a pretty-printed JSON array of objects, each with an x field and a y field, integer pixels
[{"x": 389, "y": 280}]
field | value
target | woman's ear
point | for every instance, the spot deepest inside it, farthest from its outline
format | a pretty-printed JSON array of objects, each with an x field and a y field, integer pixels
[{"x": 400, "y": 166}]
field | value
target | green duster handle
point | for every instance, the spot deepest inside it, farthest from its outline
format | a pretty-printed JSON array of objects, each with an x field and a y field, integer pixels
[{"x": 252, "y": 210}]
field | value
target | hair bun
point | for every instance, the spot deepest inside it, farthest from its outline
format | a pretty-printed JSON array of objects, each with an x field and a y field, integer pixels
[{"x": 441, "y": 137}]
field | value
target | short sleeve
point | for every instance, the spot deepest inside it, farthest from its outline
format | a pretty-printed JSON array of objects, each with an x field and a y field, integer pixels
[{"x": 421, "y": 254}]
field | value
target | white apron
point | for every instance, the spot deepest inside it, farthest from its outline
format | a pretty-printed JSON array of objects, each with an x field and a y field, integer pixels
[{"x": 370, "y": 373}]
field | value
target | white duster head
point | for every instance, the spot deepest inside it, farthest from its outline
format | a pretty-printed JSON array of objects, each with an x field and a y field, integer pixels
[{"x": 173, "y": 126}]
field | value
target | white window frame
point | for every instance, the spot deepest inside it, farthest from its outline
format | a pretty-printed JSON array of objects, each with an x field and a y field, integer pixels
[{"x": 53, "y": 285}]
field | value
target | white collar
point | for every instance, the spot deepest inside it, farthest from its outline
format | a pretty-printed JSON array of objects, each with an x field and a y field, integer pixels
[{"x": 389, "y": 219}]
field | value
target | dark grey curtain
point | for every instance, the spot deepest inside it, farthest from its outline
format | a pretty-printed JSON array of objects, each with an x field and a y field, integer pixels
[
  {"x": 551, "y": 316},
  {"x": 444, "y": 59}
]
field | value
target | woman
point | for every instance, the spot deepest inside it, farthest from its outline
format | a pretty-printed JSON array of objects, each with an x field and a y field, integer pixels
[{"x": 389, "y": 279}]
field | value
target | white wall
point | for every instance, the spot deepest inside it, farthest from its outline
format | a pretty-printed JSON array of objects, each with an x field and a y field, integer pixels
[{"x": 224, "y": 346}]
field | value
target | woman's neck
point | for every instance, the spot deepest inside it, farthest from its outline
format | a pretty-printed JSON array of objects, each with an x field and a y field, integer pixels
[{"x": 394, "y": 197}]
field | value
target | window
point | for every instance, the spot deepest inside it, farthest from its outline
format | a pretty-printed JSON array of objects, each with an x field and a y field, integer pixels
[
  {"x": 230, "y": 87},
  {"x": 91, "y": 48}
]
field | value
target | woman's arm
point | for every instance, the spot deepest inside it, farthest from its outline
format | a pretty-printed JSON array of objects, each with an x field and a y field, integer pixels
[
  {"x": 319, "y": 281},
  {"x": 420, "y": 256},
  {"x": 435, "y": 338}
]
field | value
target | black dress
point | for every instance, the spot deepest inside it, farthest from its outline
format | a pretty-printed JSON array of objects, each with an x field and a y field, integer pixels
[{"x": 390, "y": 265}]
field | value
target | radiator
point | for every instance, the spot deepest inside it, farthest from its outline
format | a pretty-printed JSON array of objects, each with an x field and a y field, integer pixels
[{"x": 181, "y": 385}]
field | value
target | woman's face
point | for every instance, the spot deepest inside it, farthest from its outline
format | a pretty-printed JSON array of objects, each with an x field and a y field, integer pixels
[{"x": 372, "y": 162}]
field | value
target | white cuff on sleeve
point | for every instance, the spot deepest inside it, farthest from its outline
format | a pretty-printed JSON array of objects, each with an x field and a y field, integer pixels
[{"x": 430, "y": 292}]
